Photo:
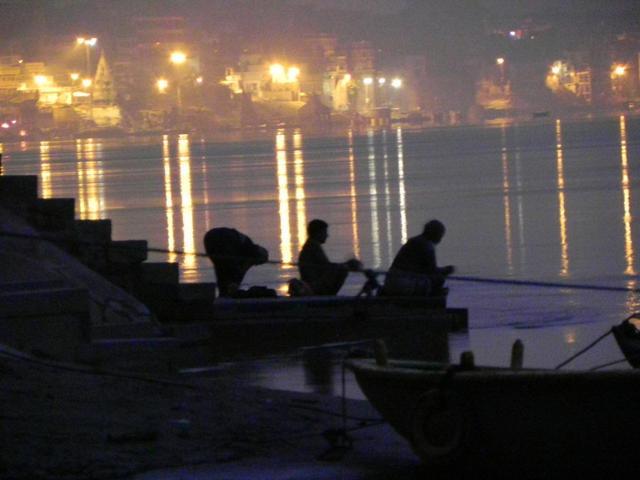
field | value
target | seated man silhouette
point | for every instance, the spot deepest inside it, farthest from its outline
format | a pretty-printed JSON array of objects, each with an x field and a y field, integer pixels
[
  {"x": 414, "y": 271},
  {"x": 319, "y": 275},
  {"x": 233, "y": 254}
]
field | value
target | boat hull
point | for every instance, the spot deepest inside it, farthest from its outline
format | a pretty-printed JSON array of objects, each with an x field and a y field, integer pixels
[{"x": 535, "y": 418}]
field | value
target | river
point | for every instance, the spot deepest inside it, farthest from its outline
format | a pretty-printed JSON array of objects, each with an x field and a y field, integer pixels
[{"x": 543, "y": 202}]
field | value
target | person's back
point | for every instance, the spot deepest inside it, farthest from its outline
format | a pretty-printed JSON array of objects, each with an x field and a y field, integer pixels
[
  {"x": 319, "y": 275},
  {"x": 232, "y": 254},
  {"x": 414, "y": 271}
]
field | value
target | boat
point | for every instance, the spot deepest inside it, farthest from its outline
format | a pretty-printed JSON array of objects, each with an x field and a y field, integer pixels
[
  {"x": 627, "y": 335},
  {"x": 412, "y": 326},
  {"x": 467, "y": 416}
]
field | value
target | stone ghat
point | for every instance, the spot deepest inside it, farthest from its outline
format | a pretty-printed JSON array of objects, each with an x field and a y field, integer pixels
[{"x": 67, "y": 288}]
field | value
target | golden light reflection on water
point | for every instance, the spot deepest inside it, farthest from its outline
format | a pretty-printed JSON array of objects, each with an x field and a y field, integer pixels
[
  {"x": 570, "y": 336},
  {"x": 168, "y": 197},
  {"x": 45, "y": 170},
  {"x": 286, "y": 253},
  {"x": 373, "y": 195},
  {"x": 186, "y": 206},
  {"x": 298, "y": 164},
  {"x": 626, "y": 199},
  {"x": 562, "y": 212},
  {"x": 402, "y": 192},
  {"x": 91, "y": 201},
  {"x": 353, "y": 194},
  {"x": 506, "y": 192},
  {"x": 387, "y": 192}
]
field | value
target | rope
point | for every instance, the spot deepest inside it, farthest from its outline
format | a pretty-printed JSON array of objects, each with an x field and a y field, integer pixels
[
  {"x": 588, "y": 347},
  {"x": 368, "y": 272},
  {"x": 592, "y": 344},
  {"x": 532, "y": 283}
]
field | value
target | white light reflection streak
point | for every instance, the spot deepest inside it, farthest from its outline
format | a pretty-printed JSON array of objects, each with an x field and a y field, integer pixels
[
  {"x": 373, "y": 194},
  {"x": 506, "y": 191},
  {"x": 168, "y": 198},
  {"x": 298, "y": 163},
  {"x": 283, "y": 198},
  {"x": 522, "y": 246},
  {"x": 401, "y": 188},
  {"x": 387, "y": 193},
  {"x": 354, "y": 197},
  {"x": 626, "y": 197},
  {"x": 45, "y": 170},
  {"x": 562, "y": 213},
  {"x": 186, "y": 199}
]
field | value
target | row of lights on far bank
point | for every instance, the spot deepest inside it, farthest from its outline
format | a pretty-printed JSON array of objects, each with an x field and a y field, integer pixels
[{"x": 395, "y": 82}]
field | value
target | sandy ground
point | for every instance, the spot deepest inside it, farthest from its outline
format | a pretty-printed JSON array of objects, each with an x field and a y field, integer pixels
[{"x": 59, "y": 421}]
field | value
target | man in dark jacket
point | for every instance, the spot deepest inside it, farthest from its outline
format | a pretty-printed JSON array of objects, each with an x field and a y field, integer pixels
[
  {"x": 414, "y": 271},
  {"x": 233, "y": 254},
  {"x": 319, "y": 274}
]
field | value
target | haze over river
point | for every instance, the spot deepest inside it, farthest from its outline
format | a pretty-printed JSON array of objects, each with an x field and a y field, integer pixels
[{"x": 550, "y": 202}]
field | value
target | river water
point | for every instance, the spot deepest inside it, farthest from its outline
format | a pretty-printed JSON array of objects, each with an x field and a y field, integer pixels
[{"x": 545, "y": 202}]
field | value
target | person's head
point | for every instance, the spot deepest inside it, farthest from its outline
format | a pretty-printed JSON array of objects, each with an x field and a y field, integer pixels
[
  {"x": 318, "y": 230},
  {"x": 434, "y": 230}
]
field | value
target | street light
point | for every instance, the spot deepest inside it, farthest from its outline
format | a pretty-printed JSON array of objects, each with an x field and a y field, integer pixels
[
  {"x": 88, "y": 44},
  {"x": 619, "y": 70},
  {"x": 162, "y": 85},
  {"x": 396, "y": 83},
  {"x": 178, "y": 58}
]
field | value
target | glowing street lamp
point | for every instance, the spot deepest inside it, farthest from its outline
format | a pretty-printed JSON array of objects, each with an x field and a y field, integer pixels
[
  {"x": 292, "y": 74},
  {"x": 40, "y": 80},
  {"x": 88, "y": 44},
  {"x": 86, "y": 82},
  {"x": 162, "y": 85},
  {"x": 619, "y": 70},
  {"x": 74, "y": 76},
  {"x": 178, "y": 58},
  {"x": 555, "y": 69},
  {"x": 382, "y": 81},
  {"x": 367, "y": 80},
  {"x": 500, "y": 61},
  {"x": 199, "y": 80},
  {"x": 396, "y": 83}
]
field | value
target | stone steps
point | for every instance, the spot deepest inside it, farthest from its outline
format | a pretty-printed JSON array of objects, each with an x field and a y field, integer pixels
[{"x": 122, "y": 262}]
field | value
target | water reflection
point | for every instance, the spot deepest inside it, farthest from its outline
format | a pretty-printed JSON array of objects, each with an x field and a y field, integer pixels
[
  {"x": 186, "y": 207},
  {"x": 373, "y": 199},
  {"x": 353, "y": 195},
  {"x": 286, "y": 253},
  {"x": 562, "y": 213},
  {"x": 506, "y": 192},
  {"x": 91, "y": 196},
  {"x": 387, "y": 192},
  {"x": 626, "y": 196},
  {"x": 402, "y": 192},
  {"x": 168, "y": 198},
  {"x": 318, "y": 364},
  {"x": 45, "y": 170},
  {"x": 298, "y": 163}
]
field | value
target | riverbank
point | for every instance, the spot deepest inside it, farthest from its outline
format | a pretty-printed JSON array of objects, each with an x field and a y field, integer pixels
[{"x": 64, "y": 421}]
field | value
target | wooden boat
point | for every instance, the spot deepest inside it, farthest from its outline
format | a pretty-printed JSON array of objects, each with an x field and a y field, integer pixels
[
  {"x": 627, "y": 335},
  {"x": 526, "y": 419},
  {"x": 411, "y": 326}
]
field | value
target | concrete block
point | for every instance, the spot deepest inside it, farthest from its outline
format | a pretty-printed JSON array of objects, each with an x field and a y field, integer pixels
[
  {"x": 128, "y": 252},
  {"x": 92, "y": 240},
  {"x": 18, "y": 188},
  {"x": 198, "y": 291},
  {"x": 161, "y": 272},
  {"x": 52, "y": 214}
]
